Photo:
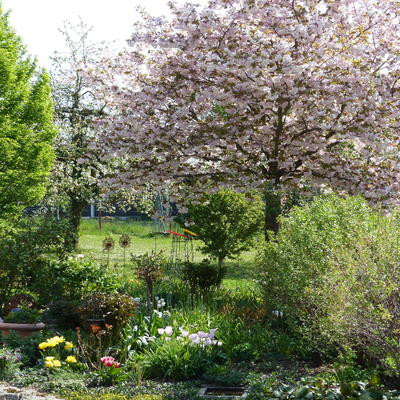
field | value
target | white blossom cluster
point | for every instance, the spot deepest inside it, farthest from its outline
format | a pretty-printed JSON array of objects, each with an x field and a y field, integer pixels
[
  {"x": 200, "y": 338},
  {"x": 160, "y": 303}
]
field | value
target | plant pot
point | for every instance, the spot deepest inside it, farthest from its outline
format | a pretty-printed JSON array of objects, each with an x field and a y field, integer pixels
[{"x": 24, "y": 330}]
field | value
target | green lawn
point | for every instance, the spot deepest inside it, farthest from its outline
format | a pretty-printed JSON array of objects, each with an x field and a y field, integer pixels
[{"x": 239, "y": 271}]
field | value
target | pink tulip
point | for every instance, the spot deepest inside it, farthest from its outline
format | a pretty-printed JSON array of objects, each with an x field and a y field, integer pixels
[{"x": 108, "y": 361}]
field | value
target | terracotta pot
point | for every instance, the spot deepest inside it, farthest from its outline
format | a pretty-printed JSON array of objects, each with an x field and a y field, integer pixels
[{"x": 20, "y": 329}]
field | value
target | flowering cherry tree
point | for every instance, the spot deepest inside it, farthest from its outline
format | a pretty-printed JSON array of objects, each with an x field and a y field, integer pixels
[{"x": 254, "y": 92}]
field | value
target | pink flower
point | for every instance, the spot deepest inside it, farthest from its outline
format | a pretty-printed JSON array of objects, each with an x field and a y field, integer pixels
[
  {"x": 108, "y": 361},
  {"x": 116, "y": 364}
]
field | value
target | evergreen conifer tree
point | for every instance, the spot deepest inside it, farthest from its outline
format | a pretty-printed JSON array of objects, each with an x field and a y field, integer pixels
[{"x": 26, "y": 128}]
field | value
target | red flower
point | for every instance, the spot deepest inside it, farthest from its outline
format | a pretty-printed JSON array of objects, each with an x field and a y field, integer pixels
[{"x": 110, "y": 362}]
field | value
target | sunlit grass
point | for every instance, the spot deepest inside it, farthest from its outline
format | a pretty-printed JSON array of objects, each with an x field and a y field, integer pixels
[
  {"x": 240, "y": 272},
  {"x": 141, "y": 228}
]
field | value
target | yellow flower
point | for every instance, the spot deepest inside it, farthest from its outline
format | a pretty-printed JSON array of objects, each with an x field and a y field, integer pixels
[
  {"x": 51, "y": 362},
  {"x": 54, "y": 341},
  {"x": 42, "y": 345},
  {"x": 70, "y": 359},
  {"x": 59, "y": 339},
  {"x": 51, "y": 342},
  {"x": 68, "y": 346}
]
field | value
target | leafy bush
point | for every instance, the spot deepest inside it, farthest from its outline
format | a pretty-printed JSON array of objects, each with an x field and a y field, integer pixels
[
  {"x": 26, "y": 346},
  {"x": 149, "y": 268},
  {"x": 110, "y": 310},
  {"x": 74, "y": 278},
  {"x": 226, "y": 222},
  {"x": 63, "y": 313},
  {"x": 173, "y": 290},
  {"x": 243, "y": 304},
  {"x": 23, "y": 315},
  {"x": 333, "y": 271},
  {"x": 103, "y": 315},
  {"x": 23, "y": 243},
  {"x": 309, "y": 388},
  {"x": 202, "y": 276}
]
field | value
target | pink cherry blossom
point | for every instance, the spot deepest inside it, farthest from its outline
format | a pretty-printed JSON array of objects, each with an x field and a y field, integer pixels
[{"x": 241, "y": 93}]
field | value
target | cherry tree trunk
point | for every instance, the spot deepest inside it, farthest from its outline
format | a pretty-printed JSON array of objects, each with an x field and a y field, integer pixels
[{"x": 272, "y": 211}]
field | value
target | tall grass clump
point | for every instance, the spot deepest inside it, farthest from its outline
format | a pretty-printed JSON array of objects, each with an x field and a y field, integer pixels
[{"x": 334, "y": 272}]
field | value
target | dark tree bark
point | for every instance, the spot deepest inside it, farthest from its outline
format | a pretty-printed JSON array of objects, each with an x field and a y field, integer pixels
[
  {"x": 273, "y": 209},
  {"x": 220, "y": 262},
  {"x": 74, "y": 216}
]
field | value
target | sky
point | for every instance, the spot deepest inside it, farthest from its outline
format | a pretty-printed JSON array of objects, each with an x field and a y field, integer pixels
[{"x": 38, "y": 21}]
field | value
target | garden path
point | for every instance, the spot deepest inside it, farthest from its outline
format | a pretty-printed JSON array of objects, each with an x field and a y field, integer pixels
[{"x": 8, "y": 392}]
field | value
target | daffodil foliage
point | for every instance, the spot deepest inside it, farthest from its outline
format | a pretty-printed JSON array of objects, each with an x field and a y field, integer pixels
[
  {"x": 26, "y": 129},
  {"x": 243, "y": 93}
]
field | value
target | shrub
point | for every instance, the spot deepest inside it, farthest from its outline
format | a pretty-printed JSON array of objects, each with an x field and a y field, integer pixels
[
  {"x": 244, "y": 304},
  {"x": 103, "y": 316},
  {"x": 202, "y": 276},
  {"x": 25, "y": 346},
  {"x": 315, "y": 387},
  {"x": 23, "y": 244},
  {"x": 111, "y": 310},
  {"x": 64, "y": 313},
  {"x": 73, "y": 279},
  {"x": 149, "y": 268},
  {"x": 23, "y": 315},
  {"x": 226, "y": 222},
  {"x": 333, "y": 270}
]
